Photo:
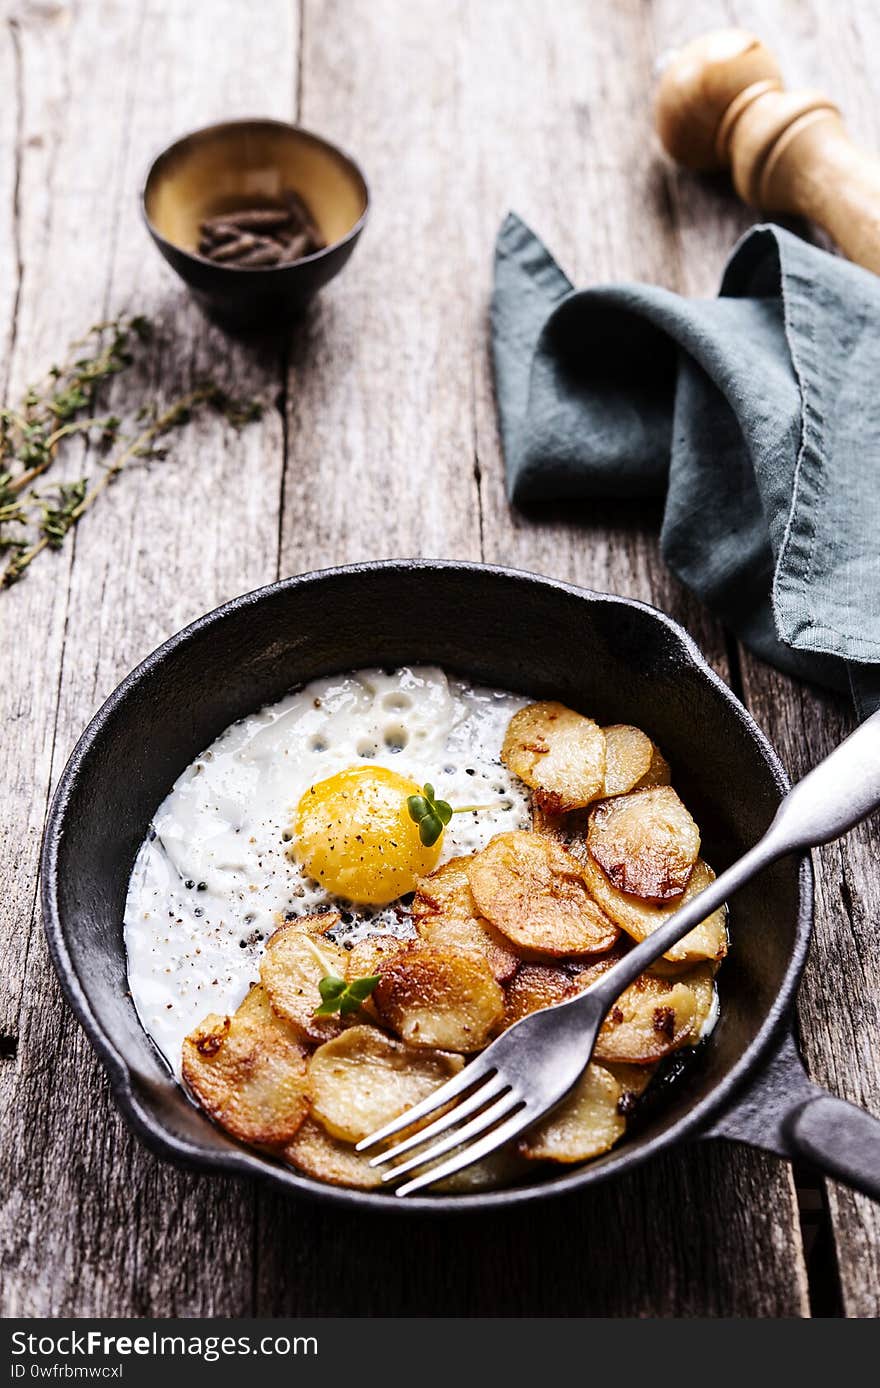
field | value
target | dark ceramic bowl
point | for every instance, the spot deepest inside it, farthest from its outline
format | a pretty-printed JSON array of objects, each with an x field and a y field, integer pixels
[
  {"x": 622, "y": 661},
  {"x": 244, "y": 163}
]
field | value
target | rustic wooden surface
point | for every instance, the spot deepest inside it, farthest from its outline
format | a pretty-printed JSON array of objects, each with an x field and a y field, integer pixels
[{"x": 381, "y": 440}]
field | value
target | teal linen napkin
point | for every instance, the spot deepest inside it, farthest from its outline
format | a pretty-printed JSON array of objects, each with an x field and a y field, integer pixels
[{"x": 756, "y": 415}]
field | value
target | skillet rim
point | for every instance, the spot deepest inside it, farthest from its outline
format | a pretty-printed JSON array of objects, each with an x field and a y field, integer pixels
[{"x": 237, "y": 1159}]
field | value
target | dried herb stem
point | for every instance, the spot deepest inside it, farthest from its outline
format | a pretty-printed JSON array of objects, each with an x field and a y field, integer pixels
[
  {"x": 32, "y": 432},
  {"x": 77, "y": 426},
  {"x": 76, "y": 499}
]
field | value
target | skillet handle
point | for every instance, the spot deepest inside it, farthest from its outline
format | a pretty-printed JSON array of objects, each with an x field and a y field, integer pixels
[
  {"x": 839, "y": 1139},
  {"x": 782, "y": 1111}
]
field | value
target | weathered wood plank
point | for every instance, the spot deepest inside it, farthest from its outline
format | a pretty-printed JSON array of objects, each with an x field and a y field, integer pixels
[
  {"x": 41, "y": 320},
  {"x": 11, "y": 129},
  {"x": 390, "y": 427},
  {"x": 379, "y": 381},
  {"x": 44, "y": 52},
  {"x": 98, "y": 1226},
  {"x": 606, "y": 81},
  {"x": 517, "y": 105},
  {"x": 827, "y": 48}
]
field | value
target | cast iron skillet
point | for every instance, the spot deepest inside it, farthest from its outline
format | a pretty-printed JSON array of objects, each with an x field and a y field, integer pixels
[{"x": 619, "y": 660}]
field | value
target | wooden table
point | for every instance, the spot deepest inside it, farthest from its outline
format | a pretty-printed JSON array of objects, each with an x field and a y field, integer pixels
[{"x": 380, "y": 440}]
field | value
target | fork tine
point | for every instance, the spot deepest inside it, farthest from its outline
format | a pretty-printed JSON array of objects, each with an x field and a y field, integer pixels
[
  {"x": 471, "y": 1074},
  {"x": 481, "y": 1148},
  {"x": 481, "y": 1095},
  {"x": 484, "y": 1120}
]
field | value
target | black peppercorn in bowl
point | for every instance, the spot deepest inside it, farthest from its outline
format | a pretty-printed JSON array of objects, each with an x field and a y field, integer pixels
[{"x": 255, "y": 216}]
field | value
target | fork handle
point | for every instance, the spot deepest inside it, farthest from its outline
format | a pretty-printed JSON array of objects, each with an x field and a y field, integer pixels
[{"x": 842, "y": 790}]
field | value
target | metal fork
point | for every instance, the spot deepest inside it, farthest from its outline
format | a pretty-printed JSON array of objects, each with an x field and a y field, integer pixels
[{"x": 531, "y": 1068}]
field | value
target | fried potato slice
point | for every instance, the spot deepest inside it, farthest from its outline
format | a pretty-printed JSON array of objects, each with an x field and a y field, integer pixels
[
  {"x": 541, "y": 985},
  {"x": 534, "y": 892},
  {"x": 446, "y": 917},
  {"x": 294, "y": 962},
  {"x": 314, "y": 1152},
  {"x": 500, "y": 1168},
  {"x": 650, "y": 1019},
  {"x": 362, "y": 1079},
  {"x": 646, "y": 843},
  {"x": 536, "y": 986},
  {"x": 439, "y": 997},
  {"x": 557, "y": 752},
  {"x": 249, "y": 1073},
  {"x": 364, "y": 958},
  {"x": 640, "y": 918},
  {"x": 586, "y": 1124},
  {"x": 700, "y": 979},
  {"x": 633, "y": 1081},
  {"x": 632, "y": 761},
  {"x": 553, "y": 826},
  {"x": 363, "y": 961}
]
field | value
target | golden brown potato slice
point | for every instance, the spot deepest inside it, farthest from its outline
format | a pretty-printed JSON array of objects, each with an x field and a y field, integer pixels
[
  {"x": 650, "y": 1019},
  {"x": 438, "y": 997},
  {"x": 557, "y": 752},
  {"x": 316, "y": 923},
  {"x": 646, "y": 843},
  {"x": 700, "y": 979},
  {"x": 541, "y": 985},
  {"x": 640, "y": 918},
  {"x": 552, "y": 826},
  {"x": 633, "y": 1081},
  {"x": 364, "y": 958},
  {"x": 536, "y": 986},
  {"x": 534, "y": 892},
  {"x": 314, "y": 1152},
  {"x": 362, "y": 1079},
  {"x": 500, "y": 1168},
  {"x": 658, "y": 773},
  {"x": 248, "y": 1072},
  {"x": 295, "y": 961},
  {"x": 363, "y": 961},
  {"x": 586, "y": 1124},
  {"x": 447, "y": 918},
  {"x": 632, "y": 762}
]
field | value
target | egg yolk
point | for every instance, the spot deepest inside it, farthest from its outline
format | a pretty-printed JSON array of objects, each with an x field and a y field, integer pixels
[{"x": 353, "y": 834}]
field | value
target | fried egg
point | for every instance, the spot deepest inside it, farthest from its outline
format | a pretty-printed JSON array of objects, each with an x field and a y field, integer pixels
[{"x": 302, "y": 806}]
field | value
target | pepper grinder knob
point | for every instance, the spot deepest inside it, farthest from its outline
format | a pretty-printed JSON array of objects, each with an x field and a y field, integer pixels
[{"x": 721, "y": 103}]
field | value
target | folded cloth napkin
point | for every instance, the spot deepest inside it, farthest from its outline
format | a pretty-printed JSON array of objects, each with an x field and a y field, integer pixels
[{"x": 756, "y": 415}]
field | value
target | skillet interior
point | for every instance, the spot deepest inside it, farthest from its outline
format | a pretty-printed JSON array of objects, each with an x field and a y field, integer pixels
[{"x": 617, "y": 660}]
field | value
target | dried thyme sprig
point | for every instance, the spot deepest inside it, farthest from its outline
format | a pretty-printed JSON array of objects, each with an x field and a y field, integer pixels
[
  {"x": 73, "y": 500},
  {"x": 53, "y": 409},
  {"x": 63, "y": 406}
]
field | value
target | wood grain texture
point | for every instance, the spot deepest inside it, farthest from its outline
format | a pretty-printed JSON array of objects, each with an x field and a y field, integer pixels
[
  {"x": 378, "y": 395},
  {"x": 514, "y": 113},
  {"x": 383, "y": 443},
  {"x": 828, "y": 48},
  {"x": 94, "y": 1223}
]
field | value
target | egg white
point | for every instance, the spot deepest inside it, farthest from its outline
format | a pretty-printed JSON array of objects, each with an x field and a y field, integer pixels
[{"x": 213, "y": 875}]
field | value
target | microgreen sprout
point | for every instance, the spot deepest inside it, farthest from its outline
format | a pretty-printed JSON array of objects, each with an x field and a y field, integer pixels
[
  {"x": 339, "y": 996},
  {"x": 433, "y": 815}
]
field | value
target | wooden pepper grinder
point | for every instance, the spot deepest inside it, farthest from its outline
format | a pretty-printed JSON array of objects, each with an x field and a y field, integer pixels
[{"x": 721, "y": 103}]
